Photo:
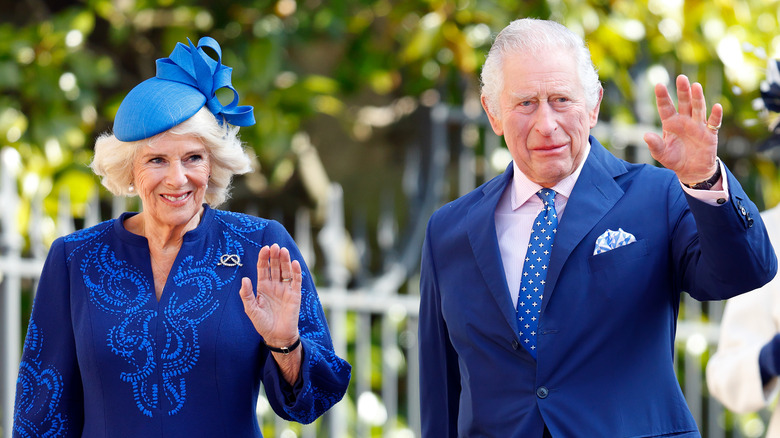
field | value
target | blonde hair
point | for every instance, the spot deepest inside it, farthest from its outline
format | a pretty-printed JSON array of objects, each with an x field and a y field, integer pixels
[{"x": 113, "y": 160}]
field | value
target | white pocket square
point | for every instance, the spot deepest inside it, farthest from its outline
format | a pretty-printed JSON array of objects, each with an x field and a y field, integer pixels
[{"x": 613, "y": 239}]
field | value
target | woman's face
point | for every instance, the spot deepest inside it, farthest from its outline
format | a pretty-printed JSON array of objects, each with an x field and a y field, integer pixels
[{"x": 171, "y": 177}]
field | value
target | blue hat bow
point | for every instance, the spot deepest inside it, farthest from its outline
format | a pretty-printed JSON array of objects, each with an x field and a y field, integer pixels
[
  {"x": 184, "y": 83},
  {"x": 192, "y": 66}
]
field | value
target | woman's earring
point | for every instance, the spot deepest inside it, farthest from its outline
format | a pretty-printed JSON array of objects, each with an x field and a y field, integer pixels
[{"x": 131, "y": 188}]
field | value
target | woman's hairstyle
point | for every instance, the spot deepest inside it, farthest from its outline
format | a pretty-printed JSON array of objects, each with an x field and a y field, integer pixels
[
  {"x": 113, "y": 160},
  {"x": 534, "y": 36}
]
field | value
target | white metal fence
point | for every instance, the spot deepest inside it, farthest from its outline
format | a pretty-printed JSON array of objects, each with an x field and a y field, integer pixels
[{"x": 373, "y": 319}]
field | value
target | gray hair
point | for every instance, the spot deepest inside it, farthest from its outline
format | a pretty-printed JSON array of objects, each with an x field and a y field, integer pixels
[
  {"x": 227, "y": 156},
  {"x": 534, "y": 36}
]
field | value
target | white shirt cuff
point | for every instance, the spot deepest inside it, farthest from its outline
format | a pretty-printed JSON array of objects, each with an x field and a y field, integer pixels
[{"x": 717, "y": 194}]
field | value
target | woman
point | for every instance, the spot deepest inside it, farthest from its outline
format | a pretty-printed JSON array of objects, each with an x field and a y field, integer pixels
[
  {"x": 149, "y": 325},
  {"x": 742, "y": 374}
]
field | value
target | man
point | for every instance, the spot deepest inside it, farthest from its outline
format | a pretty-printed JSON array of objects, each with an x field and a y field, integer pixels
[{"x": 549, "y": 295}]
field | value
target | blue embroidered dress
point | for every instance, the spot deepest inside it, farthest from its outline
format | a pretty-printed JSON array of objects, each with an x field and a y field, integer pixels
[{"x": 104, "y": 358}]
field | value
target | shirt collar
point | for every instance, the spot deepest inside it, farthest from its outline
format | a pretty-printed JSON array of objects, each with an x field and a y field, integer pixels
[{"x": 523, "y": 188}]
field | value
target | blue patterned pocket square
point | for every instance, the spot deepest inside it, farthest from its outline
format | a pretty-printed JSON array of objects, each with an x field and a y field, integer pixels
[{"x": 613, "y": 239}]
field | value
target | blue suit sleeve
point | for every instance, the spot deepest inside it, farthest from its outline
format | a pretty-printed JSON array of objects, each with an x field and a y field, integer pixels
[
  {"x": 439, "y": 374},
  {"x": 725, "y": 250},
  {"x": 324, "y": 376},
  {"x": 49, "y": 395}
]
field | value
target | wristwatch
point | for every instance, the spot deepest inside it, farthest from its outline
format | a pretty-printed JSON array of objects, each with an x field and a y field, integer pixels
[{"x": 706, "y": 185}]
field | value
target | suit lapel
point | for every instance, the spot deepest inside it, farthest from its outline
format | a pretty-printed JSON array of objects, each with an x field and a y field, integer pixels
[
  {"x": 594, "y": 194},
  {"x": 481, "y": 229}
]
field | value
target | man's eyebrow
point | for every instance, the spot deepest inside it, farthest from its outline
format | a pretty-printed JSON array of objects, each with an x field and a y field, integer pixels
[
  {"x": 522, "y": 96},
  {"x": 566, "y": 91}
]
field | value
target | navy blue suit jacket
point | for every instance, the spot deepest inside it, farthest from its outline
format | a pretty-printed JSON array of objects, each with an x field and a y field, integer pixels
[{"x": 606, "y": 333}]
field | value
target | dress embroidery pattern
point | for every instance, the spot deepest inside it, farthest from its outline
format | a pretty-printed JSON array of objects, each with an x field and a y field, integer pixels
[
  {"x": 151, "y": 354},
  {"x": 158, "y": 373},
  {"x": 38, "y": 391},
  {"x": 312, "y": 328}
]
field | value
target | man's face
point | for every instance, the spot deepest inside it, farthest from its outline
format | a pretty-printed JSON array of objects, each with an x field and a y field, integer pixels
[{"x": 543, "y": 116}]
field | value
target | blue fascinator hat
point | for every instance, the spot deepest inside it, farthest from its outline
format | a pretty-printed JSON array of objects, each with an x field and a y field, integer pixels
[{"x": 184, "y": 83}]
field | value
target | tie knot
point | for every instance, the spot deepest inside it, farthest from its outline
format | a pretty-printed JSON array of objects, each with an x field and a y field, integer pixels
[{"x": 547, "y": 196}]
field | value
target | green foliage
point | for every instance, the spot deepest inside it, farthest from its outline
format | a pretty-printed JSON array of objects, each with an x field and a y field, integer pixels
[{"x": 64, "y": 72}]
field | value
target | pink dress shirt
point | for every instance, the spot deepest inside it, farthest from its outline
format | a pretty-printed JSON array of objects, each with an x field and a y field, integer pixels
[{"x": 519, "y": 205}]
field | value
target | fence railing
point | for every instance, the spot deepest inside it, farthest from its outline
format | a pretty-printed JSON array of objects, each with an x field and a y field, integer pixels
[{"x": 373, "y": 319}]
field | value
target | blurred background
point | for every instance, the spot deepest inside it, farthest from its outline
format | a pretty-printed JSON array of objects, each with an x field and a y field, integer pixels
[{"x": 368, "y": 118}]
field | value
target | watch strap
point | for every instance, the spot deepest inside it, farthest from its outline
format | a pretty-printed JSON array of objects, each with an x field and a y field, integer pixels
[
  {"x": 706, "y": 185},
  {"x": 285, "y": 350}
]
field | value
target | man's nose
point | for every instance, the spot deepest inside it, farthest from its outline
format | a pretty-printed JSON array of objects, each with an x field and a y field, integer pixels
[{"x": 546, "y": 122}]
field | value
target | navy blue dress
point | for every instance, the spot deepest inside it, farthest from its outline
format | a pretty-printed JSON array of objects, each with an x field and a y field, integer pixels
[{"x": 104, "y": 358}]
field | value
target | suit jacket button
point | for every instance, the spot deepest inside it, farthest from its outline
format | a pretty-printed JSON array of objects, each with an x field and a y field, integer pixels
[
  {"x": 542, "y": 392},
  {"x": 515, "y": 344}
]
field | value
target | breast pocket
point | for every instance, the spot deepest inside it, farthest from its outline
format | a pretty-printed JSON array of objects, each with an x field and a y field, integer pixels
[
  {"x": 620, "y": 275},
  {"x": 622, "y": 255}
]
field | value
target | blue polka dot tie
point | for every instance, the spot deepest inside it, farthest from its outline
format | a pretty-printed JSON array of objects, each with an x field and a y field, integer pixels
[{"x": 537, "y": 258}]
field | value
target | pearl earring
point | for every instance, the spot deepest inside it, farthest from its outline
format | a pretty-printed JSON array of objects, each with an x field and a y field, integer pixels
[{"x": 131, "y": 188}]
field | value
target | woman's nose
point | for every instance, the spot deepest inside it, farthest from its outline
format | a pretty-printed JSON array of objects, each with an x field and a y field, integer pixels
[{"x": 177, "y": 175}]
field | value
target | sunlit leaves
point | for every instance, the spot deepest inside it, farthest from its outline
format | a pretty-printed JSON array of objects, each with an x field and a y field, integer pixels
[{"x": 296, "y": 60}]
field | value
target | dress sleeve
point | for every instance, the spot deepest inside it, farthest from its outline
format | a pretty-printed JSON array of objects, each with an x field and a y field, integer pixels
[
  {"x": 49, "y": 396},
  {"x": 324, "y": 376}
]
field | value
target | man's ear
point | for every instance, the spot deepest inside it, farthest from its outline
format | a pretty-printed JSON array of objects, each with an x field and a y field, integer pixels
[
  {"x": 495, "y": 122},
  {"x": 594, "y": 113}
]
